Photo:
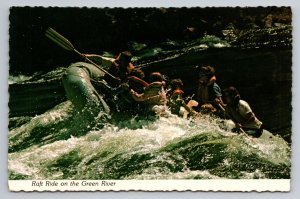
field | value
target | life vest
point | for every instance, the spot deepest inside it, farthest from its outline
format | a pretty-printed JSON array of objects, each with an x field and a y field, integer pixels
[
  {"x": 177, "y": 92},
  {"x": 205, "y": 95}
]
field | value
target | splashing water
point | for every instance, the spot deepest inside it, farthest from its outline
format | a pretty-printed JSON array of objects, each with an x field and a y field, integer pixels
[
  {"x": 18, "y": 79},
  {"x": 164, "y": 147}
]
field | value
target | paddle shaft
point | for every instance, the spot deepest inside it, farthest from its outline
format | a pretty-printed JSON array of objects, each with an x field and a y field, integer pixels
[
  {"x": 67, "y": 45},
  {"x": 91, "y": 62}
]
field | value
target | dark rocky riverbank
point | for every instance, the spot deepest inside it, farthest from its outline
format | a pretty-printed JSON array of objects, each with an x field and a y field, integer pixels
[{"x": 94, "y": 30}]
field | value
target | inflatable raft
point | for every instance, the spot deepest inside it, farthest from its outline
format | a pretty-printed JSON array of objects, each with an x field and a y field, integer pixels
[{"x": 77, "y": 82}]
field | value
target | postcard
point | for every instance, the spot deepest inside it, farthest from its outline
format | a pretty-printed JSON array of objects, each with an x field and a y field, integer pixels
[{"x": 150, "y": 99}]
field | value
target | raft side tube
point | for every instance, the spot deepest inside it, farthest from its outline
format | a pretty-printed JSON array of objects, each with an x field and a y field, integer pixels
[{"x": 80, "y": 91}]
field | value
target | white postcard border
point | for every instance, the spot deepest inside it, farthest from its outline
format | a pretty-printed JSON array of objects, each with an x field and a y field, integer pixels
[
  {"x": 282, "y": 185},
  {"x": 278, "y": 183}
]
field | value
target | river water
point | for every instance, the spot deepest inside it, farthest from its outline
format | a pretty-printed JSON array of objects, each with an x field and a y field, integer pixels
[
  {"x": 48, "y": 146},
  {"x": 62, "y": 144}
]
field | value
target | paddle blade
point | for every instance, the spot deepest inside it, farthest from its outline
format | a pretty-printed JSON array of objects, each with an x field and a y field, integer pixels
[{"x": 59, "y": 39}]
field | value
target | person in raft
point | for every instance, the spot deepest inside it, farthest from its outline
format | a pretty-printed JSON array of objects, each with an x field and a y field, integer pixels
[
  {"x": 154, "y": 92},
  {"x": 240, "y": 113},
  {"x": 209, "y": 94},
  {"x": 119, "y": 67},
  {"x": 135, "y": 80},
  {"x": 176, "y": 101}
]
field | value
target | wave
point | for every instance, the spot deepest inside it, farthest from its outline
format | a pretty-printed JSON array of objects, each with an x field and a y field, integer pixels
[{"x": 162, "y": 147}]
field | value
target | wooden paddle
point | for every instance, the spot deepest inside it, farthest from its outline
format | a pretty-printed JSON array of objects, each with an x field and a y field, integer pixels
[{"x": 67, "y": 45}]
